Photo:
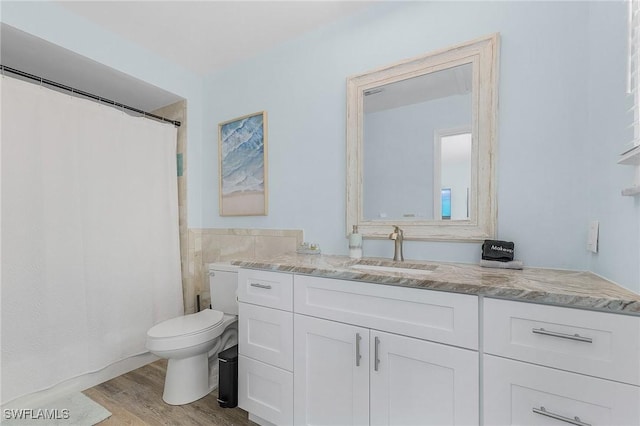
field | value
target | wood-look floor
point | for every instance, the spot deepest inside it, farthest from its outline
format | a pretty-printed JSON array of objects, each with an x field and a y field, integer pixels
[{"x": 135, "y": 398}]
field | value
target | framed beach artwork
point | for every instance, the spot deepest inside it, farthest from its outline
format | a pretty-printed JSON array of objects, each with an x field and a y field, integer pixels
[{"x": 242, "y": 154}]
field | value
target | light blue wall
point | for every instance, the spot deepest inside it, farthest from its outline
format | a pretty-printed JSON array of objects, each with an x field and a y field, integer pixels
[
  {"x": 562, "y": 120},
  {"x": 619, "y": 252},
  {"x": 48, "y": 21},
  {"x": 542, "y": 154}
]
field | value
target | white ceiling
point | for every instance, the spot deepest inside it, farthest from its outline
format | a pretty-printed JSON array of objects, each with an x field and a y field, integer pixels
[
  {"x": 205, "y": 36},
  {"x": 201, "y": 36}
]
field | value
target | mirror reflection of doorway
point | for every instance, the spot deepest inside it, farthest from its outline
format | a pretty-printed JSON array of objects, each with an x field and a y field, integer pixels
[
  {"x": 452, "y": 179},
  {"x": 446, "y": 203}
]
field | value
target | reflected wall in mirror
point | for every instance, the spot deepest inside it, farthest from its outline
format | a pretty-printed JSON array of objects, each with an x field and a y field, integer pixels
[
  {"x": 402, "y": 123},
  {"x": 421, "y": 144}
]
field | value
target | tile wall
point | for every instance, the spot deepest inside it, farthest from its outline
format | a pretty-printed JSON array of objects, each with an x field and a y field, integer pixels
[{"x": 215, "y": 245}]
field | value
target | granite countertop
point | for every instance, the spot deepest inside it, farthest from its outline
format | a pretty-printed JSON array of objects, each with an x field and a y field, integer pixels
[{"x": 575, "y": 289}]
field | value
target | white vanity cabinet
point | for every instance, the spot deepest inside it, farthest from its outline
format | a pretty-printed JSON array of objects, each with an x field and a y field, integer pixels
[
  {"x": 348, "y": 373},
  {"x": 552, "y": 365},
  {"x": 324, "y": 351},
  {"x": 265, "y": 346}
]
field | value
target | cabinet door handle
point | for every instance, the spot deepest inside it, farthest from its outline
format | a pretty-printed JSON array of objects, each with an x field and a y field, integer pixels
[
  {"x": 575, "y": 421},
  {"x": 376, "y": 360},
  {"x": 265, "y": 286},
  {"x": 358, "y": 356},
  {"x": 576, "y": 336}
]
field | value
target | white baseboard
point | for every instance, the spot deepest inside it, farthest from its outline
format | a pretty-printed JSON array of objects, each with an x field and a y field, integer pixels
[{"x": 80, "y": 383}]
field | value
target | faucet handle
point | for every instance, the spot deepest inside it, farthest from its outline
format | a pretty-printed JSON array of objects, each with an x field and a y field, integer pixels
[{"x": 398, "y": 236}]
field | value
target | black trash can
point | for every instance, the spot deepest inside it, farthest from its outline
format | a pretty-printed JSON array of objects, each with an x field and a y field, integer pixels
[{"x": 228, "y": 377}]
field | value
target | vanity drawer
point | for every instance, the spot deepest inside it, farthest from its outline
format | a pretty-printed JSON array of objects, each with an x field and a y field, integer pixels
[
  {"x": 266, "y": 288},
  {"x": 265, "y": 391},
  {"x": 594, "y": 343},
  {"x": 431, "y": 315},
  {"x": 517, "y": 393},
  {"x": 266, "y": 334}
]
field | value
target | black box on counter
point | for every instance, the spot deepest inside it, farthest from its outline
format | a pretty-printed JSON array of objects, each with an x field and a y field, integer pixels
[{"x": 502, "y": 251}]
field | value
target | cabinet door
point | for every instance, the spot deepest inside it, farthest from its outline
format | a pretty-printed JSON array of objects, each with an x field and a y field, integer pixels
[
  {"x": 331, "y": 373},
  {"x": 517, "y": 393},
  {"x": 415, "y": 382}
]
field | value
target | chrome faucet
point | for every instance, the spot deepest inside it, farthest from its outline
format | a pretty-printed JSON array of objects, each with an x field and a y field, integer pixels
[{"x": 398, "y": 237}]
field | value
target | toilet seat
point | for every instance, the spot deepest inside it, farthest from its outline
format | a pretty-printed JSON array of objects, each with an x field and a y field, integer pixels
[
  {"x": 186, "y": 325},
  {"x": 186, "y": 331}
]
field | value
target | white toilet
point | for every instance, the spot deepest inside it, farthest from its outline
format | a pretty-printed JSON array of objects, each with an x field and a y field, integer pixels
[{"x": 192, "y": 342}]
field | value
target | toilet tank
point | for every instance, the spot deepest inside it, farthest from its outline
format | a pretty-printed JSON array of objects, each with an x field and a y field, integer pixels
[{"x": 223, "y": 285}]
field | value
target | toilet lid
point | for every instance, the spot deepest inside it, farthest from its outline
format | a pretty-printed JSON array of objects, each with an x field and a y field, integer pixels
[{"x": 186, "y": 325}]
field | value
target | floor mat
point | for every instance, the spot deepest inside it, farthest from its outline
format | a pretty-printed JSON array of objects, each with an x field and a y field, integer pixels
[{"x": 75, "y": 409}]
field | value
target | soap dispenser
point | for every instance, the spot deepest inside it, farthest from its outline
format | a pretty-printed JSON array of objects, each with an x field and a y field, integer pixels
[{"x": 355, "y": 244}]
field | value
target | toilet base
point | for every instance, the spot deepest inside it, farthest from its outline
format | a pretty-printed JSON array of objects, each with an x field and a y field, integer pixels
[{"x": 187, "y": 380}]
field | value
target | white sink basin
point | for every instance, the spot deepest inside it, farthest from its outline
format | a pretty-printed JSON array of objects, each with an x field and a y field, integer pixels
[{"x": 379, "y": 268}]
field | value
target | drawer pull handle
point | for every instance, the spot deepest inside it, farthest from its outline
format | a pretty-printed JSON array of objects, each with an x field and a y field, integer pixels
[
  {"x": 575, "y": 421},
  {"x": 576, "y": 336},
  {"x": 358, "y": 356},
  {"x": 265, "y": 286},
  {"x": 376, "y": 360}
]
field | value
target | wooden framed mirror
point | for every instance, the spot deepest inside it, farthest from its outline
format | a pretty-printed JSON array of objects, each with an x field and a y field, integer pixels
[{"x": 421, "y": 145}]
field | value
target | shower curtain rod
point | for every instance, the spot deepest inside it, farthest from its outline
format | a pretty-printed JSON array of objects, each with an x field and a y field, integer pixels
[{"x": 145, "y": 114}]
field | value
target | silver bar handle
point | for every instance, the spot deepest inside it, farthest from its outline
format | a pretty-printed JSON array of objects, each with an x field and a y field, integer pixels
[
  {"x": 358, "y": 356},
  {"x": 576, "y": 336},
  {"x": 575, "y": 421},
  {"x": 376, "y": 360},
  {"x": 265, "y": 286}
]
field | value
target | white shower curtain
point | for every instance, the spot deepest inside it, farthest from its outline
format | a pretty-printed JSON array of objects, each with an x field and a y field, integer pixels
[{"x": 90, "y": 246}]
